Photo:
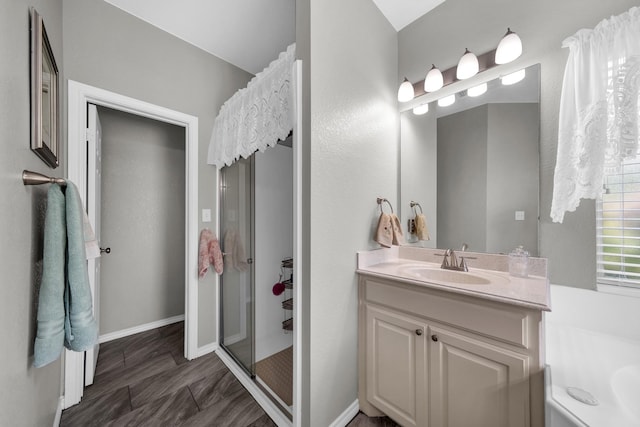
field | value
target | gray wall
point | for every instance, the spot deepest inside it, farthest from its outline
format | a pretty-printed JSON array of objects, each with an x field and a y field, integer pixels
[
  {"x": 28, "y": 396},
  {"x": 143, "y": 220},
  {"x": 512, "y": 177},
  {"x": 110, "y": 49},
  {"x": 462, "y": 179},
  {"x": 353, "y": 156},
  {"x": 441, "y": 36}
]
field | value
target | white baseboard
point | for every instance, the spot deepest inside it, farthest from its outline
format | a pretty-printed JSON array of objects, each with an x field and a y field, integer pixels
[
  {"x": 141, "y": 328},
  {"x": 269, "y": 407},
  {"x": 56, "y": 420},
  {"x": 234, "y": 338},
  {"x": 206, "y": 349},
  {"x": 348, "y": 414}
]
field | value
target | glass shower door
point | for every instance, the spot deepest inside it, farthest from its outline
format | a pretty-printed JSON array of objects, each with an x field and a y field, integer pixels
[{"x": 236, "y": 283}]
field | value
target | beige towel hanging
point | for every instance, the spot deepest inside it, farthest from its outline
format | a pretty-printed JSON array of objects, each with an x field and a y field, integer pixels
[
  {"x": 398, "y": 237},
  {"x": 421, "y": 230},
  {"x": 384, "y": 231}
]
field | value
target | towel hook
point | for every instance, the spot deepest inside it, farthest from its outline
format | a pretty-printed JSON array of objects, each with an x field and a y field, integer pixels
[
  {"x": 413, "y": 205},
  {"x": 381, "y": 201}
]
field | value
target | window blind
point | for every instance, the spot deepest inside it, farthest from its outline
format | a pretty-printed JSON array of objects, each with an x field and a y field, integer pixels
[{"x": 618, "y": 227}]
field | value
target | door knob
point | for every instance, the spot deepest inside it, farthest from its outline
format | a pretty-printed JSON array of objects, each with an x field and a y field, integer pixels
[
  {"x": 106, "y": 250},
  {"x": 418, "y": 332},
  {"x": 434, "y": 337}
]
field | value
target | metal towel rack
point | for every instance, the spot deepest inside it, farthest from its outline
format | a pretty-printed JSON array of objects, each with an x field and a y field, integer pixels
[
  {"x": 35, "y": 178},
  {"x": 382, "y": 200},
  {"x": 414, "y": 204}
]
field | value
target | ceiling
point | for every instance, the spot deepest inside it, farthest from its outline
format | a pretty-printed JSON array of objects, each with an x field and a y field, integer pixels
[
  {"x": 401, "y": 13},
  {"x": 247, "y": 33}
]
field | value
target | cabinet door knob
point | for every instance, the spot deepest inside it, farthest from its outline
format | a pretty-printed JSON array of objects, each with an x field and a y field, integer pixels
[
  {"x": 418, "y": 332},
  {"x": 434, "y": 337}
]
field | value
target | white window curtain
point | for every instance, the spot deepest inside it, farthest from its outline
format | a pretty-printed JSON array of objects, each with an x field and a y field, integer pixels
[
  {"x": 598, "y": 123},
  {"x": 255, "y": 117}
]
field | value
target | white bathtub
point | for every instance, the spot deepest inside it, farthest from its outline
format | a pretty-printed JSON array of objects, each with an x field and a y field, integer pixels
[{"x": 593, "y": 345}]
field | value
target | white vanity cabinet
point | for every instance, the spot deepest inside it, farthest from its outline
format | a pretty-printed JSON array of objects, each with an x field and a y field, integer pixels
[{"x": 429, "y": 357}]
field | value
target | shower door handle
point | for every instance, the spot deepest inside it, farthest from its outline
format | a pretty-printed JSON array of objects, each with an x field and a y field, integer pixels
[{"x": 106, "y": 250}]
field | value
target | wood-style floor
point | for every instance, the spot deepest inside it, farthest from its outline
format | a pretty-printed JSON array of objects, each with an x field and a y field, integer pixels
[{"x": 143, "y": 380}]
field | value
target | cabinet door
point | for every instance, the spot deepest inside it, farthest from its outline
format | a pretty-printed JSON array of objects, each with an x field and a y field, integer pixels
[
  {"x": 396, "y": 365},
  {"x": 474, "y": 383}
]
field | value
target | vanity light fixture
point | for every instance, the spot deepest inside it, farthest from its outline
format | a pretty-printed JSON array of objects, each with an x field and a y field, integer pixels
[
  {"x": 509, "y": 48},
  {"x": 405, "y": 92},
  {"x": 434, "y": 80},
  {"x": 447, "y": 100},
  {"x": 477, "y": 90},
  {"x": 421, "y": 109},
  {"x": 468, "y": 66},
  {"x": 513, "y": 78}
]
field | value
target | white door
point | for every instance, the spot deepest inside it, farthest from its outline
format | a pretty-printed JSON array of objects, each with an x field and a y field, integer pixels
[{"x": 94, "y": 172}]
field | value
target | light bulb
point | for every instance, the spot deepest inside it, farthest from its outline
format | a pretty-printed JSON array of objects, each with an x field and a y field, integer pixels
[
  {"x": 405, "y": 92},
  {"x": 421, "y": 109},
  {"x": 447, "y": 100},
  {"x": 434, "y": 80},
  {"x": 467, "y": 66},
  {"x": 477, "y": 90},
  {"x": 509, "y": 48},
  {"x": 513, "y": 78}
]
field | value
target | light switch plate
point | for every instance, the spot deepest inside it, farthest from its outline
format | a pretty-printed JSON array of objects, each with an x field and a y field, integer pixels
[
  {"x": 519, "y": 215},
  {"x": 206, "y": 215}
]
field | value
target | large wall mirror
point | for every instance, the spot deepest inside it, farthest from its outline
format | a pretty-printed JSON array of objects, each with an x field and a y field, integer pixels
[{"x": 473, "y": 167}]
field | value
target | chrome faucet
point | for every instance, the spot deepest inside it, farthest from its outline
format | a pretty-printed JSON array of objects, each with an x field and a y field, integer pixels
[{"x": 450, "y": 261}]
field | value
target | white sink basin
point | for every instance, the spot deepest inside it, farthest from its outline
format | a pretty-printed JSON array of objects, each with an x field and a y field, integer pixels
[{"x": 451, "y": 276}]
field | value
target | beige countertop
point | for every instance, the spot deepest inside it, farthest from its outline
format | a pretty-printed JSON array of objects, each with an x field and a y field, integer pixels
[{"x": 489, "y": 284}]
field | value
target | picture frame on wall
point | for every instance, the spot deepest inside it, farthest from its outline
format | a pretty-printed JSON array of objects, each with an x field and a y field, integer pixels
[{"x": 44, "y": 93}]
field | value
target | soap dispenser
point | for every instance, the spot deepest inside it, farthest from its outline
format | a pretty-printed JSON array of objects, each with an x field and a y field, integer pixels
[{"x": 519, "y": 262}]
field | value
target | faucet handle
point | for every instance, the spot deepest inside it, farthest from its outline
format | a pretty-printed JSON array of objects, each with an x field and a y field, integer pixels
[
  {"x": 463, "y": 264},
  {"x": 445, "y": 261}
]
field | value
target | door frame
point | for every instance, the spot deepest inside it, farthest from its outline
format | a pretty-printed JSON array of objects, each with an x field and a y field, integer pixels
[{"x": 79, "y": 95}]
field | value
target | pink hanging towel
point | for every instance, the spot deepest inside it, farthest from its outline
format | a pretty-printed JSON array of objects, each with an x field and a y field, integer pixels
[{"x": 209, "y": 253}]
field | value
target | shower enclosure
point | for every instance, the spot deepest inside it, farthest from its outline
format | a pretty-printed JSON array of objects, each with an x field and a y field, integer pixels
[
  {"x": 256, "y": 291},
  {"x": 236, "y": 283}
]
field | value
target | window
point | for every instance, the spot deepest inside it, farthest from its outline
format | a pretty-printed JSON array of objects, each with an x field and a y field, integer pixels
[{"x": 618, "y": 227}]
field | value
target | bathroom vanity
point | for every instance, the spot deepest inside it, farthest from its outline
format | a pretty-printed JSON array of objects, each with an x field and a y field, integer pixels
[{"x": 447, "y": 348}]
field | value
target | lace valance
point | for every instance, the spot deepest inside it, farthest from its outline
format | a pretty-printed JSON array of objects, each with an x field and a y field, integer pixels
[
  {"x": 255, "y": 117},
  {"x": 598, "y": 123}
]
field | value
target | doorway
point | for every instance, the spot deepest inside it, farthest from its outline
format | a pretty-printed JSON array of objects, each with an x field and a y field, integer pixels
[
  {"x": 142, "y": 223},
  {"x": 80, "y": 96}
]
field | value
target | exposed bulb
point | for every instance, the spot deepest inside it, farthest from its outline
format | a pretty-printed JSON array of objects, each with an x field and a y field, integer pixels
[
  {"x": 509, "y": 48},
  {"x": 477, "y": 90},
  {"x": 421, "y": 109},
  {"x": 467, "y": 66},
  {"x": 434, "y": 80},
  {"x": 405, "y": 92},
  {"x": 447, "y": 100}
]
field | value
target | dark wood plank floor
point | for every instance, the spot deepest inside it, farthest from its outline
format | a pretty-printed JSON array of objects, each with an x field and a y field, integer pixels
[{"x": 143, "y": 380}]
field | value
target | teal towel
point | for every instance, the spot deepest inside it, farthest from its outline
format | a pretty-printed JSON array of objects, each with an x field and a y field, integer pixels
[
  {"x": 65, "y": 307},
  {"x": 50, "y": 331},
  {"x": 81, "y": 329}
]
